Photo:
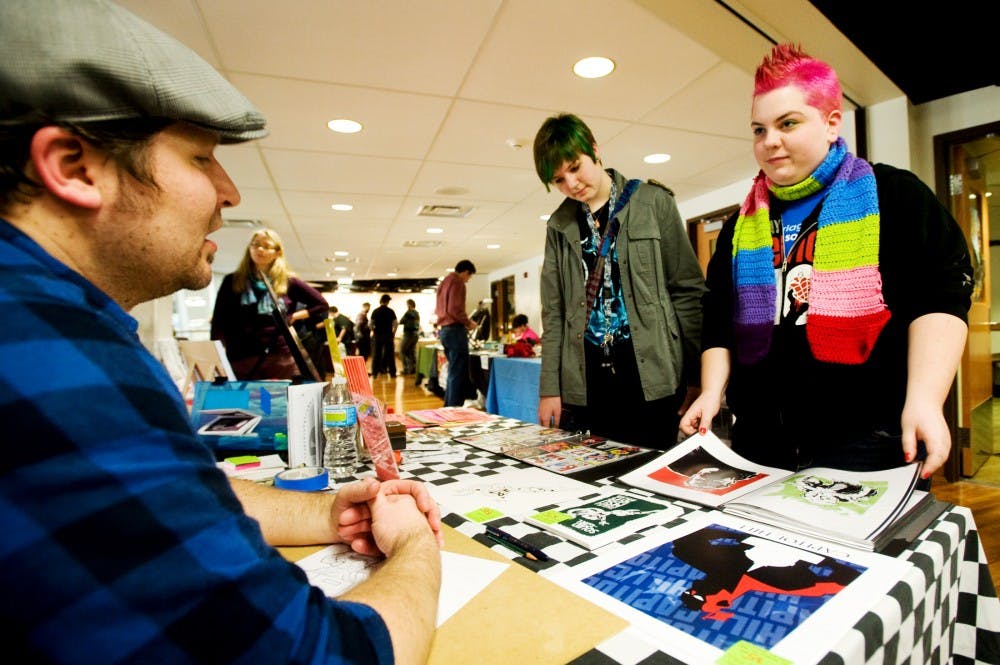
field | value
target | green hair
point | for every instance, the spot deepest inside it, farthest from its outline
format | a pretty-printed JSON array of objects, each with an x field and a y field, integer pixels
[{"x": 562, "y": 138}]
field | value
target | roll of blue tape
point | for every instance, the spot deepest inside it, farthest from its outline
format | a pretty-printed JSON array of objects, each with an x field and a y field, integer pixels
[{"x": 303, "y": 479}]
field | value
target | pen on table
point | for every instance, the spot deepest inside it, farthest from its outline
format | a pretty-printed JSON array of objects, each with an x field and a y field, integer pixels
[
  {"x": 508, "y": 539},
  {"x": 513, "y": 548}
]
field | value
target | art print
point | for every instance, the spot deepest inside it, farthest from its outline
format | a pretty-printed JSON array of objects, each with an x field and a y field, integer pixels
[
  {"x": 715, "y": 583},
  {"x": 700, "y": 470}
]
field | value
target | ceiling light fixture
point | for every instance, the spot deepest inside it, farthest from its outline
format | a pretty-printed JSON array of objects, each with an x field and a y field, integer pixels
[
  {"x": 342, "y": 207},
  {"x": 656, "y": 158},
  {"x": 341, "y": 252},
  {"x": 340, "y": 269},
  {"x": 435, "y": 229},
  {"x": 594, "y": 67},
  {"x": 493, "y": 246},
  {"x": 390, "y": 274},
  {"x": 344, "y": 126}
]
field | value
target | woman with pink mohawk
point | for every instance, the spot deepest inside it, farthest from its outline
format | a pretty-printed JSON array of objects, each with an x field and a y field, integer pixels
[{"x": 838, "y": 296}]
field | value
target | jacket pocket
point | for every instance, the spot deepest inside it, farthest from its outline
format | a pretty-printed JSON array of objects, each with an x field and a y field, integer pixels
[{"x": 643, "y": 258}]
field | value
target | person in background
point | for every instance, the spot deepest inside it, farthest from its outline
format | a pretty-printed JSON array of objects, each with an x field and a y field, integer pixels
[
  {"x": 384, "y": 324},
  {"x": 411, "y": 334},
  {"x": 481, "y": 316},
  {"x": 114, "y": 465},
  {"x": 344, "y": 328},
  {"x": 836, "y": 312},
  {"x": 363, "y": 331},
  {"x": 621, "y": 297},
  {"x": 453, "y": 334},
  {"x": 244, "y": 312},
  {"x": 523, "y": 332}
]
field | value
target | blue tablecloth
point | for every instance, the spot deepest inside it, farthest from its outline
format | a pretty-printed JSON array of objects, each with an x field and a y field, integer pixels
[{"x": 513, "y": 389}]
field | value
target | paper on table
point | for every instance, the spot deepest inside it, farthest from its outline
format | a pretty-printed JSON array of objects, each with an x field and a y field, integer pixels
[
  {"x": 515, "y": 493},
  {"x": 462, "y": 577},
  {"x": 337, "y": 569}
]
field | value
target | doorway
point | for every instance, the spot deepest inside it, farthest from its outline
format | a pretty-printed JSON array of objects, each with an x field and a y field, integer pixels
[
  {"x": 502, "y": 292},
  {"x": 967, "y": 174},
  {"x": 704, "y": 230}
]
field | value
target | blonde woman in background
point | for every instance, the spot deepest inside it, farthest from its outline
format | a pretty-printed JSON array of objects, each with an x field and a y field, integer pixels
[{"x": 243, "y": 317}]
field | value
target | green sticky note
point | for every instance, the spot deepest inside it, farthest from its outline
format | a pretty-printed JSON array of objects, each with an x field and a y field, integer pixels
[
  {"x": 744, "y": 652},
  {"x": 242, "y": 459},
  {"x": 552, "y": 517},
  {"x": 483, "y": 514}
]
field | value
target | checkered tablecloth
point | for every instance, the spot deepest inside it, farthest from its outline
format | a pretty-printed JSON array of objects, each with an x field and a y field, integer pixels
[{"x": 944, "y": 610}]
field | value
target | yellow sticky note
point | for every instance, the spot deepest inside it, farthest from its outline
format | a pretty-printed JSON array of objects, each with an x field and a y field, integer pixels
[
  {"x": 484, "y": 514},
  {"x": 747, "y": 653}
]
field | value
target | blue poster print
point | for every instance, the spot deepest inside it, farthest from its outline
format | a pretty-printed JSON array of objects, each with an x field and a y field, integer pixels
[{"x": 722, "y": 585}]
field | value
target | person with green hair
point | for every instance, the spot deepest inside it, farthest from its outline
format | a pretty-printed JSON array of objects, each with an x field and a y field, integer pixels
[{"x": 621, "y": 297}]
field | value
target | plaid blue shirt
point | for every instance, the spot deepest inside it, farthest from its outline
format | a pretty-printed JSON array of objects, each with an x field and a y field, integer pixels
[{"x": 121, "y": 540}]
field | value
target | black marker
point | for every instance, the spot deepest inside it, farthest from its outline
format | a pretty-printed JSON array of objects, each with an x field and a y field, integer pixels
[{"x": 517, "y": 543}]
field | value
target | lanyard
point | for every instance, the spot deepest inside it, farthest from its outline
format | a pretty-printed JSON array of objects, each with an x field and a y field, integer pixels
[{"x": 603, "y": 246}]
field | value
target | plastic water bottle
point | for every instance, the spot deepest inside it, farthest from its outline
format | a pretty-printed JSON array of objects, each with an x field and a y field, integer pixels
[{"x": 340, "y": 429}]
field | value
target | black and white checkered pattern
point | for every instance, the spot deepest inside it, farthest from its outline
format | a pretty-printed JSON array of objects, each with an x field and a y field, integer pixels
[{"x": 944, "y": 610}]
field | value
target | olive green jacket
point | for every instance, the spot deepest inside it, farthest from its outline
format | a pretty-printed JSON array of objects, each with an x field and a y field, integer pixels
[{"x": 662, "y": 285}]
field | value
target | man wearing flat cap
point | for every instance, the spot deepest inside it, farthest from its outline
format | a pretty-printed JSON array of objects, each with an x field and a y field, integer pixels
[{"x": 122, "y": 540}]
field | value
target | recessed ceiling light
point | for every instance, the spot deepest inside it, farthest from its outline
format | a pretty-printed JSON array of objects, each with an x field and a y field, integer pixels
[
  {"x": 342, "y": 207},
  {"x": 656, "y": 158},
  {"x": 344, "y": 126},
  {"x": 390, "y": 274},
  {"x": 544, "y": 218},
  {"x": 341, "y": 252},
  {"x": 340, "y": 269},
  {"x": 435, "y": 229},
  {"x": 493, "y": 246},
  {"x": 594, "y": 67}
]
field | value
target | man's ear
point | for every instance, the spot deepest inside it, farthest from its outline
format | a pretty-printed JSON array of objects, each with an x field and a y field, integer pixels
[{"x": 67, "y": 165}]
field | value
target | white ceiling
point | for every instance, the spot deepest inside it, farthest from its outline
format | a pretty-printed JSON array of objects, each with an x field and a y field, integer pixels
[{"x": 443, "y": 87}]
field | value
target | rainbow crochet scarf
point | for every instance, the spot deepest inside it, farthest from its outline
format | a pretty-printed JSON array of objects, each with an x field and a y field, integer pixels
[{"x": 846, "y": 308}]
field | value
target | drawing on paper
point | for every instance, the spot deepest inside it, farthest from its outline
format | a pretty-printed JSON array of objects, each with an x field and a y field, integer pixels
[
  {"x": 839, "y": 495},
  {"x": 722, "y": 585},
  {"x": 339, "y": 569},
  {"x": 701, "y": 470}
]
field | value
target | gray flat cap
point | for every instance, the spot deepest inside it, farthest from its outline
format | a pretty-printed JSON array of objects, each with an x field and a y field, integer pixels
[{"x": 91, "y": 60}]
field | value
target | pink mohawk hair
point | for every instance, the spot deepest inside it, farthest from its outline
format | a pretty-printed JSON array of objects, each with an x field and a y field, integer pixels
[{"x": 788, "y": 64}]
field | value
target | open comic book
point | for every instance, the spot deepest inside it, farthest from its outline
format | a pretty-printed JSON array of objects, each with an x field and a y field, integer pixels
[
  {"x": 502, "y": 440},
  {"x": 554, "y": 450},
  {"x": 857, "y": 509},
  {"x": 575, "y": 454}
]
